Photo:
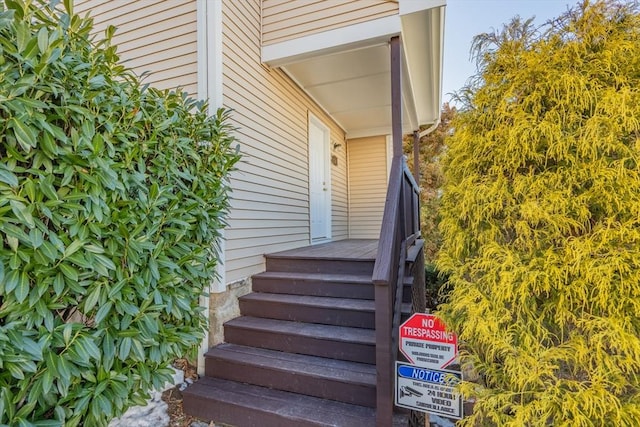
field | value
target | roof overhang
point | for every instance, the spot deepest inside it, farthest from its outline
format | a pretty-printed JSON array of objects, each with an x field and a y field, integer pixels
[{"x": 347, "y": 70}]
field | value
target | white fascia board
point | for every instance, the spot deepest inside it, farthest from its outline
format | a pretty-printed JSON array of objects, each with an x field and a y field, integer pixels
[
  {"x": 423, "y": 48},
  {"x": 351, "y": 37},
  {"x": 437, "y": 55},
  {"x": 411, "y": 6},
  {"x": 408, "y": 99}
]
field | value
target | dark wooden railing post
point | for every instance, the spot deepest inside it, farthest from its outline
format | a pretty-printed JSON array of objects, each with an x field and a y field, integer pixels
[
  {"x": 416, "y": 156},
  {"x": 384, "y": 271},
  {"x": 384, "y": 288},
  {"x": 399, "y": 233}
]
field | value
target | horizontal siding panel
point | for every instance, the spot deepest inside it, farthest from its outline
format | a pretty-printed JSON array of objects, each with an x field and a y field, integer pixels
[
  {"x": 339, "y": 189},
  {"x": 296, "y": 154},
  {"x": 177, "y": 36},
  {"x": 253, "y": 168},
  {"x": 173, "y": 57},
  {"x": 162, "y": 18},
  {"x": 268, "y": 190},
  {"x": 256, "y": 233},
  {"x": 274, "y": 91},
  {"x": 284, "y": 21},
  {"x": 367, "y": 186},
  {"x": 117, "y": 10},
  {"x": 269, "y": 203},
  {"x": 250, "y": 224},
  {"x": 267, "y": 206},
  {"x": 252, "y": 257},
  {"x": 305, "y": 19},
  {"x": 266, "y": 241},
  {"x": 293, "y": 10},
  {"x": 157, "y": 38},
  {"x": 273, "y": 7},
  {"x": 259, "y": 216},
  {"x": 164, "y": 73},
  {"x": 253, "y": 250},
  {"x": 282, "y": 201}
]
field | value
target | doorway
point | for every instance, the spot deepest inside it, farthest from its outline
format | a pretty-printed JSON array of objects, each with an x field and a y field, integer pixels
[{"x": 319, "y": 181}]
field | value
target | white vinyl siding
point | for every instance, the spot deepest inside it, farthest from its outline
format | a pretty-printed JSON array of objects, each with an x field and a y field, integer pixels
[
  {"x": 270, "y": 198},
  {"x": 367, "y": 186},
  {"x": 339, "y": 192},
  {"x": 153, "y": 37},
  {"x": 284, "y": 20}
]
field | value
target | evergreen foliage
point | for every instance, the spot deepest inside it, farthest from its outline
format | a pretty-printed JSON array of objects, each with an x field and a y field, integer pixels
[
  {"x": 541, "y": 222},
  {"x": 111, "y": 198},
  {"x": 431, "y": 148}
]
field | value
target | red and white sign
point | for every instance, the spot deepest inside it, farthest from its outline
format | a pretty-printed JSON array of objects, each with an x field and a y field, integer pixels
[{"x": 426, "y": 343}]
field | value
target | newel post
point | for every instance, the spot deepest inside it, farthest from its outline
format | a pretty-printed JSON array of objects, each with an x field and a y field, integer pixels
[{"x": 416, "y": 157}]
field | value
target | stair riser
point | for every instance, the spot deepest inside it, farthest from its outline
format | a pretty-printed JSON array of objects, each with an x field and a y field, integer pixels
[
  {"x": 406, "y": 294},
  {"x": 316, "y": 288},
  {"x": 300, "y": 313},
  {"x": 296, "y": 265},
  {"x": 293, "y": 381},
  {"x": 351, "y": 351}
]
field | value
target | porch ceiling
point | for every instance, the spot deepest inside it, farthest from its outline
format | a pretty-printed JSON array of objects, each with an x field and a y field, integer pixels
[{"x": 351, "y": 79}]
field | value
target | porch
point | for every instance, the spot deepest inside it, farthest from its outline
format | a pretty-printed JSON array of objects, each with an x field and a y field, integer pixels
[
  {"x": 316, "y": 341},
  {"x": 303, "y": 352}
]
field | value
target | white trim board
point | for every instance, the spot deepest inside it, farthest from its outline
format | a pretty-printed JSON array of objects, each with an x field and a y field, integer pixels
[{"x": 209, "y": 57}]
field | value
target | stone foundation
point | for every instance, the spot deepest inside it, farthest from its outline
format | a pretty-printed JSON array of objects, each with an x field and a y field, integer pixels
[{"x": 223, "y": 307}]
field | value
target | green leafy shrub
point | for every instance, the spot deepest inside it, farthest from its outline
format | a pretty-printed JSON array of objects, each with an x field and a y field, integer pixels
[
  {"x": 111, "y": 198},
  {"x": 541, "y": 222}
]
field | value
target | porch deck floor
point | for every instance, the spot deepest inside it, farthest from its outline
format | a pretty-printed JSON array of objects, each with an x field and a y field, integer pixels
[{"x": 349, "y": 249}]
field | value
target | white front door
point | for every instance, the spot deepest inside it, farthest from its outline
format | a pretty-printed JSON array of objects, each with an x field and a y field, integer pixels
[{"x": 319, "y": 181}]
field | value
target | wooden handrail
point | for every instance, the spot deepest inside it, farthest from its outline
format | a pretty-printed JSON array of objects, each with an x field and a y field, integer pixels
[{"x": 400, "y": 230}]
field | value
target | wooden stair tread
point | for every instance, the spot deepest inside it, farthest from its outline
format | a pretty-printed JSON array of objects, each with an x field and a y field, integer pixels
[
  {"x": 333, "y": 285},
  {"x": 325, "y": 277},
  {"x": 245, "y": 405},
  {"x": 313, "y": 330},
  {"x": 350, "y": 249},
  {"x": 319, "y": 265},
  {"x": 344, "y": 371},
  {"x": 313, "y": 301}
]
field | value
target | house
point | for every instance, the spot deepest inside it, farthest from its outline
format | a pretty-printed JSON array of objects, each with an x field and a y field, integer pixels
[{"x": 322, "y": 91}]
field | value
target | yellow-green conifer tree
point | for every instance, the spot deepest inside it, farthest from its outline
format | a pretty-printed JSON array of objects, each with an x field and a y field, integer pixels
[
  {"x": 431, "y": 147},
  {"x": 541, "y": 222}
]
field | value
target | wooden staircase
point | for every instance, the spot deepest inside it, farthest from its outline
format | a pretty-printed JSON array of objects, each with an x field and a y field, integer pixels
[{"x": 303, "y": 351}]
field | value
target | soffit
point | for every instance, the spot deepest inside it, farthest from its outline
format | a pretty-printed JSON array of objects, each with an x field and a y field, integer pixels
[{"x": 353, "y": 83}]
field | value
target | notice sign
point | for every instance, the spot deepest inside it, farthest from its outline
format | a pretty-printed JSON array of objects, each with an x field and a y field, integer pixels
[
  {"x": 425, "y": 342},
  {"x": 428, "y": 390}
]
